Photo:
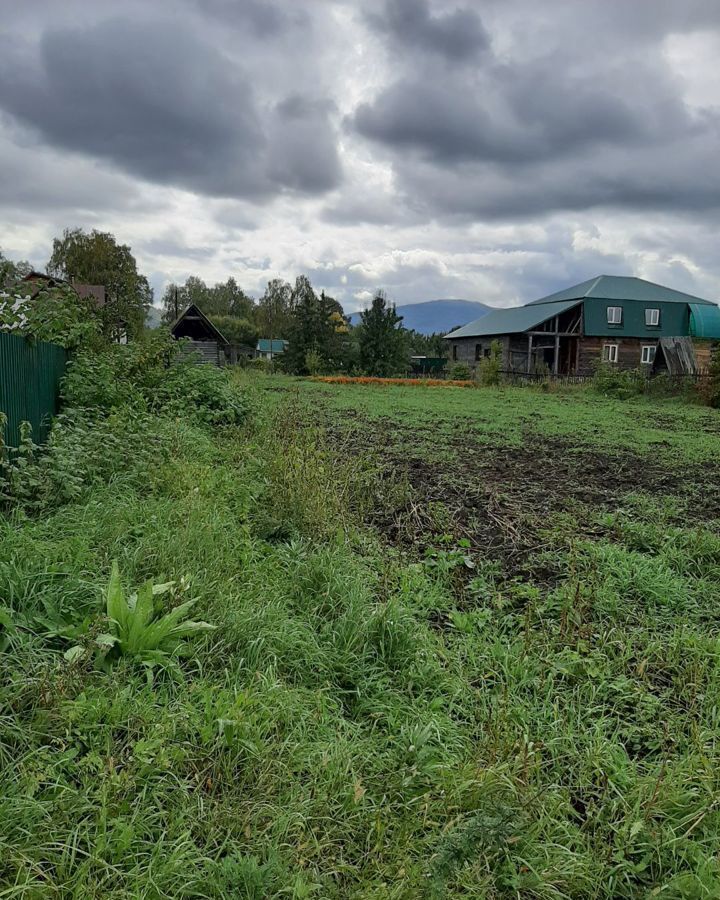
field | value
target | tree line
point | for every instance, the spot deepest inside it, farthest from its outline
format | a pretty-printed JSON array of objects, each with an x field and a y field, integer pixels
[{"x": 320, "y": 336}]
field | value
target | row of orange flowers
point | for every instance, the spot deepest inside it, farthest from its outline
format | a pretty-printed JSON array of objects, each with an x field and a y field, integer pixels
[{"x": 404, "y": 382}]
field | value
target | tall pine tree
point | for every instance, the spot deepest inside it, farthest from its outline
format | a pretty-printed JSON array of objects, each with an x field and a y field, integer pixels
[
  {"x": 382, "y": 339},
  {"x": 317, "y": 331}
]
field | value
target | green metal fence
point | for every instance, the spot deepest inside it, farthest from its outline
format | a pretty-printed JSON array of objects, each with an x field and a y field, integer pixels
[{"x": 30, "y": 376}]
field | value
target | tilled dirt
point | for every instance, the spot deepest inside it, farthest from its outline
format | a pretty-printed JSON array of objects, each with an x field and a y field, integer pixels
[{"x": 500, "y": 498}]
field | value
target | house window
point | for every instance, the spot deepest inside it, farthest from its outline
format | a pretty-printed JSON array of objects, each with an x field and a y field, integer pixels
[
  {"x": 486, "y": 352},
  {"x": 454, "y": 352},
  {"x": 610, "y": 353},
  {"x": 652, "y": 318},
  {"x": 647, "y": 354},
  {"x": 614, "y": 315},
  {"x": 478, "y": 351}
]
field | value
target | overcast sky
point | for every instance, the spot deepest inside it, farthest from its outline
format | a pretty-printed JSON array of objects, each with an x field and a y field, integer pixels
[{"x": 493, "y": 150}]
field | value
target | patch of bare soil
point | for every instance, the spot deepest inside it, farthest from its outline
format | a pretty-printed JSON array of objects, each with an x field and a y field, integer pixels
[{"x": 500, "y": 499}]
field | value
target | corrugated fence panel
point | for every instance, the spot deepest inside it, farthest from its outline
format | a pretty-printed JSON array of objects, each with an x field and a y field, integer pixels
[{"x": 30, "y": 376}]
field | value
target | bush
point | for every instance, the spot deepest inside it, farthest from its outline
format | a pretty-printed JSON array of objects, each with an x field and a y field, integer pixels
[
  {"x": 56, "y": 314},
  {"x": 200, "y": 392},
  {"x": 620, "y": 383},
  {"x": 709, "y": 388},
  {"x": 460, "y": 372},
  {"x": 85, "y": 450},
  {"x": 125, "y": 409},
  {"x": 259, "y": 364},
  {"x": 490, "y": 366},
  {"x": 314, "y": 363},
  {"x": 151, "y": 375},
  {"x": 119, "y": 374}
]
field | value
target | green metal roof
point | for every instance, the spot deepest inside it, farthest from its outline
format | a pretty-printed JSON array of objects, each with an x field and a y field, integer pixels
[
  {"x": 621, "y": 287},
  {"x": 263, "y": 345},
  {"x": 513, "y": 320},
  {"x": 704, "y": 321}
]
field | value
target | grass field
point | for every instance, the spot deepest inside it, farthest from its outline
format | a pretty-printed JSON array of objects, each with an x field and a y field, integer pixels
[{"x": 466, "y": 645}]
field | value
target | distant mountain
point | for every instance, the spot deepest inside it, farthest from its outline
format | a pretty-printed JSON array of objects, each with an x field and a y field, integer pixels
[{"x": 437, "y": 316}]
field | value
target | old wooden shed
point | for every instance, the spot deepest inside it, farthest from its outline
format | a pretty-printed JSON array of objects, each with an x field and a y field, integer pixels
[{"x": 203, "y": 338}]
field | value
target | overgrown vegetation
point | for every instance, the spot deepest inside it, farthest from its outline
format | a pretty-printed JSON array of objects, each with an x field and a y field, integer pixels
[
  {"x": 710, "y": 390},
  {"x": 429, "y": 674},
  {"x": 490, "y": 368},
  {"x": 48, "y": 313},
  {"x": 624, "y": 384},
  {"x": 613, "y": 381}
]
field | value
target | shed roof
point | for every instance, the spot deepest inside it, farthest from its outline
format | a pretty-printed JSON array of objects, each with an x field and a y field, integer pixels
[
  {"x": 621, "y": 287},
  {"x": 512, "y": 320},
  {"x": 193, "y": 312},
  {"x": 278, "y": 346},
  {"x": 42, "y": 276},
  {"x": 94, "y": 292},
  {"x": 704, "y": 321}
]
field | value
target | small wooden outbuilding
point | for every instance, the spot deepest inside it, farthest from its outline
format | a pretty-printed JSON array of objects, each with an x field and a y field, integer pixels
[
  {"x": 202, "y": 336},
  {"x": 268, "y": 348}
]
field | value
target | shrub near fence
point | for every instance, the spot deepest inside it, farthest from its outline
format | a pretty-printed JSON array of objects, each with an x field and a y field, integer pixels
[
  {"x": 645, "y": 382},
  {"x": 30, "y": 374}
]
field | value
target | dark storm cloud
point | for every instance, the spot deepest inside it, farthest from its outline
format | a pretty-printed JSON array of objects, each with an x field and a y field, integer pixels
[
  {"x": 163, "y": 103},
  {"x": 625, "y": 25},
  {"x": 506, "y": 118},
  {"x": 33, "y": 179},
  {"x": 467, "y": 125},
  {"x": 677, "y": 176},
  {"x": 570, "y": 126},
  {"x": 302, "y": 151},
  {"x": 456, "y": 35},
  {"x": 265, "y": 18}
]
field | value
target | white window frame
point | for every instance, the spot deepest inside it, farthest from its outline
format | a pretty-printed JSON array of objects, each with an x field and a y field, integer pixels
[
  {"x": 614, "y": 315},
  {"x": 652, "y": 312},
  {"x": 610, "y": 353},
  {"x": 651, "y": 351}
]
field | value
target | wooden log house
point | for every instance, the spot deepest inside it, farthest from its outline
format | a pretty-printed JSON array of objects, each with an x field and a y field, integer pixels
[{"x": 623, "y": 321}]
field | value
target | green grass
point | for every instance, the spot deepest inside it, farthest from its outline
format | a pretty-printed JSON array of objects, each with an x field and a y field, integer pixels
[
  {"x": 436, "y": 670},
  {"x": 504, "y": 416}
]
